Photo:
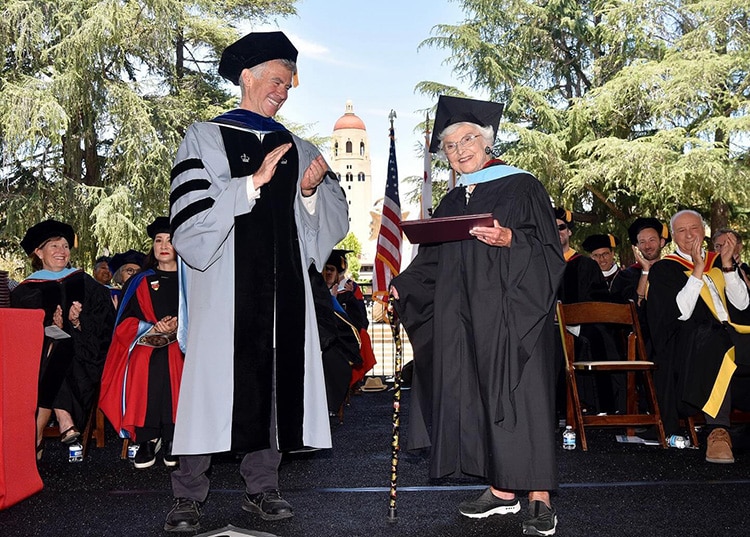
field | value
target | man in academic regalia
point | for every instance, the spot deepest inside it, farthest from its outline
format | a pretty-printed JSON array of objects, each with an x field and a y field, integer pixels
[
  {"x": 698, "y": 308},
  {"x": 601, "y": 339},
  {"x": 718, "y": 240},
  {"x": 648, "y": 236},
  {"x": 255, "y": 212},
  {"x": 583, "y": 280},
  {"x": 601, "y": 248}
]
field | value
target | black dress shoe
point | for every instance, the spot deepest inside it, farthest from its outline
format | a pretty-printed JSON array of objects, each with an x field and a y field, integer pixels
[
  {"x": 269, "y": 505},
  {"x": 184, "y": 516}
]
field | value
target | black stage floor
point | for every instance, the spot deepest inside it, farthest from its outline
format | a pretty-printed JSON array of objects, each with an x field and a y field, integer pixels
[{"x": 611, "y": 490}]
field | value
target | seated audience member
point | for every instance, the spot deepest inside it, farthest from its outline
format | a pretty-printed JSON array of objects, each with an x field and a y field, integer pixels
[
  {"x": 103, "y": 275},
  {"x": 141, "y": 379},
  {"x": 602, "y": 250},
  {"x": 718, "y": 241},
  {"x": 602, "y": 340},
  {"x": 78, "y": 326},
  {"x": 583, "y": 280},
  {"x": 346, "y": 291},
  {"x": 349, "y": 296},
  {"x": 648, "y": 236},
  {"x": 124, "y": 265},
  {"x": 101, "y": 271},
  {"x": 698, "y": 307}
]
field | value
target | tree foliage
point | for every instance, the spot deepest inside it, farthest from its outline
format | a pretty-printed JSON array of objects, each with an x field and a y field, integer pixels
[
  {"x": 350, "y": 242},
  {"x": 621, "y": 108},
  {"x": 95, "y": 96}
]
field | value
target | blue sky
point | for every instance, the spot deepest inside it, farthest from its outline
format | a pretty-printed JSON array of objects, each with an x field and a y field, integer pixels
[{"x": 366, "y": 52}]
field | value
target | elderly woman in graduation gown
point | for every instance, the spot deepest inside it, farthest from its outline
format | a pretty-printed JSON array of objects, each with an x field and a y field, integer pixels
[
  {"x": 479, "y": 313},
  {"x": 78, "y": 324},
  {"x": 141, "y": 380}
]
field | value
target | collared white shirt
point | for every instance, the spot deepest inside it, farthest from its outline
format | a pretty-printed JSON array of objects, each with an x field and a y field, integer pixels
[{"x": 688, "y": 296}]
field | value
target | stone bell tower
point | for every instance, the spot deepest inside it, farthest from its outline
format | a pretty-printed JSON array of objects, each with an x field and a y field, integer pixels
[{"x": 350, "y": 160}]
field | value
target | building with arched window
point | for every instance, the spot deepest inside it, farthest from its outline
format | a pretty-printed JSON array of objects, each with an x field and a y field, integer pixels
[{"x": 354, "y": 170}]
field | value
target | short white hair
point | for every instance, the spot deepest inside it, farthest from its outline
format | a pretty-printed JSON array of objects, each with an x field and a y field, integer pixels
[
  {"x": 487, "y": 133},
  {"x": 680, "y": 213}
]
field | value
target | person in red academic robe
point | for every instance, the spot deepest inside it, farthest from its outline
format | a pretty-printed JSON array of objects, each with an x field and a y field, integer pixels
[{"x": 141, "y": 379}]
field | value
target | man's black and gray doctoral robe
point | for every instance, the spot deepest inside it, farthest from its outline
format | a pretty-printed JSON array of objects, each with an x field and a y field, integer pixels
[
  {"x": 251, "y": 325},
  {"x": 480, "y": 320}
]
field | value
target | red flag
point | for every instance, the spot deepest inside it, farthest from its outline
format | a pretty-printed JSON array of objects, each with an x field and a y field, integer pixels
[{"x": 388, "y": 251}]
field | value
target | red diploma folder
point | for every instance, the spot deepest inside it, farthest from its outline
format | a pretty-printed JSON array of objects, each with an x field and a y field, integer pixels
[{"x": 445, "y": 229}]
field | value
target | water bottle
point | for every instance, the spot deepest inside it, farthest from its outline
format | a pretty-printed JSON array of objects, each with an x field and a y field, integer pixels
[
  {"x": 132, "y": 450},
  {"x": 569, "y": 438},
  {"x": 677, "y": 441},
  {"x": 75, "y": 452}
]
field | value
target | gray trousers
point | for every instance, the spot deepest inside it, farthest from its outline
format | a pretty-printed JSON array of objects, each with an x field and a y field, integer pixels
[{"x": 259, "y": 469}]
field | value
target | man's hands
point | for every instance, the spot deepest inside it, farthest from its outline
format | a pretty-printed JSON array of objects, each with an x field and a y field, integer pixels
[
  {"x": 699, "y": 262},
  {"x": 313, "y": 176},
  {"x": 642, "y": 261},
  {"x": 268, "y": 168}
]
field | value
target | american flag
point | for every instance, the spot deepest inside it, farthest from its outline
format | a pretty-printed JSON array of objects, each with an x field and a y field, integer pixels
[{"x": 388, "y": 251}]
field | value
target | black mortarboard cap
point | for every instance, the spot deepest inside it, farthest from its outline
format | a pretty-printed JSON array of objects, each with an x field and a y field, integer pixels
[
  {"x": 254, "y": 49},
  {"x": 159, "y": 225},
  {"x": 452, "y": 110},
  {"x": 594, "y": 242},
  {"x": 566, "y": 216},
  {"x": 48, "y": 229},
  {"x": 642, "y": 223},
  {"x": 338, "y": 259},
  {"x": 131, "y": 256}
]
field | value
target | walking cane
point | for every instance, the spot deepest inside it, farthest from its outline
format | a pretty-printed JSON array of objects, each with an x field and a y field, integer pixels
[{"x": 395, "y": 323}]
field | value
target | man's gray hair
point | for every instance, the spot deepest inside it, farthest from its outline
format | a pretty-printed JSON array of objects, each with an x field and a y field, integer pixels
[
  {"x": 724, "y": 231},
  {"x": 257, "y": 70}
]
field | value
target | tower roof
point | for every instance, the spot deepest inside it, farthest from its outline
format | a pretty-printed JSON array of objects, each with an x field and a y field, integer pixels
[{"x": 349, "y": 120}]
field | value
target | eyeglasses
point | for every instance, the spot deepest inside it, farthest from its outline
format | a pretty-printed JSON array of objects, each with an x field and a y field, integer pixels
[
  {"x": 452, "y": 147},
  {"x": 562, "y": 226},
  {"x": 130, "y": 271}
]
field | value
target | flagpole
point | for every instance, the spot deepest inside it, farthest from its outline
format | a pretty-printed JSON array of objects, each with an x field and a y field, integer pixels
[{"x": 426, "y": 198}]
